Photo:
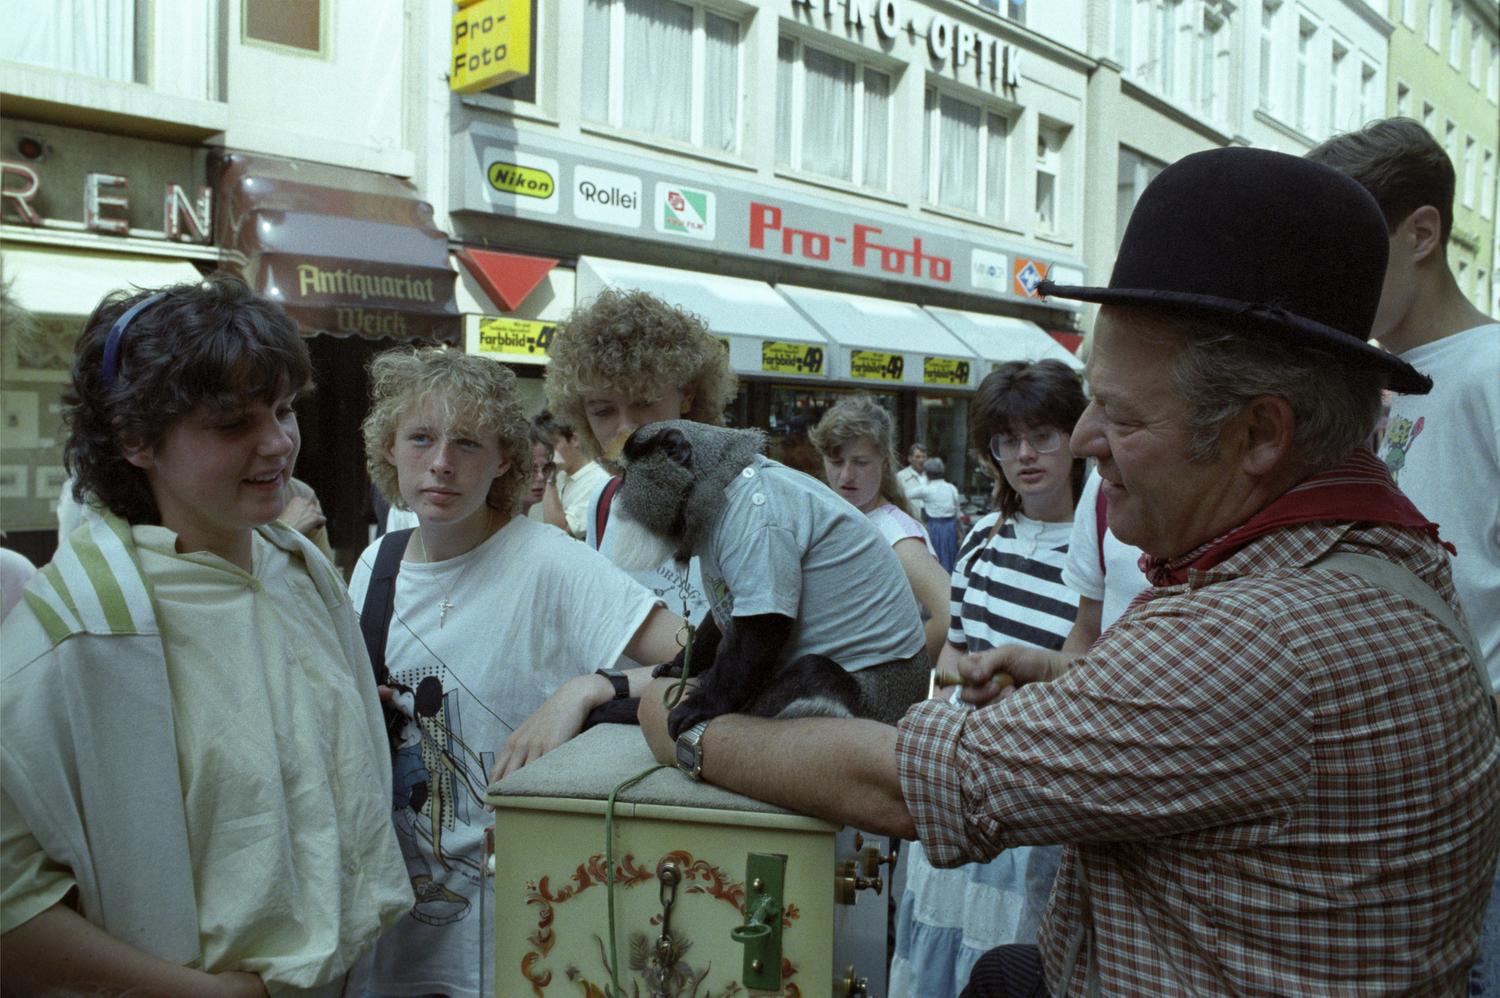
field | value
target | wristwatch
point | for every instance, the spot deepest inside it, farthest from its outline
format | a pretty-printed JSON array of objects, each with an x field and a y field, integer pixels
[
  {"x": 690, "y": 751},
  {"x": 618, "y": 680}
]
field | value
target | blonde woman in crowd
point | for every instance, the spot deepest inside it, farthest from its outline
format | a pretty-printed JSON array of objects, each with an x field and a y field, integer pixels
[
  {"x": 625, "y": 360},
  {"x": 855, "y": 440}
]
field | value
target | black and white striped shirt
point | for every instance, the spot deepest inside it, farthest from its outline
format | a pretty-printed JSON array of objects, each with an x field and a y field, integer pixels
[{"x": 1009, "y": 589}]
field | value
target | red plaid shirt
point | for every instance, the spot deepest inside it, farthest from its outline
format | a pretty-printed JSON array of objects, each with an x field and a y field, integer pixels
[{"x": 1272, "y": 781}]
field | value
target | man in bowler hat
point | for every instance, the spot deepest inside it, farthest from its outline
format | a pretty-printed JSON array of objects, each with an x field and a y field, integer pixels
[{"x": 1279, "y": 771}]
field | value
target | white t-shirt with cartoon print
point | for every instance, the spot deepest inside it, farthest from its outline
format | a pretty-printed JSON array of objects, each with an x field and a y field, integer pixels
[{"x": 1443, "y": 449}]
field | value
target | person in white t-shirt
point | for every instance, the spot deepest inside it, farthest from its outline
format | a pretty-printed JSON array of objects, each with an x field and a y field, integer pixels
[
  {"x": 624, "y": 360},
  {"x": 1442, "y": 448},
  {"x": 1103, "y": 570},
  {"x": 940, "y": 501},
  {"x": 565, "y": 504},
  {"x": 499, "y": 624},
  {"x": 912, "y": 476}
]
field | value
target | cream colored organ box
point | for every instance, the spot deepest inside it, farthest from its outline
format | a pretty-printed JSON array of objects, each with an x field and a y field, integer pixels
[{"x": 714, "y": 894}]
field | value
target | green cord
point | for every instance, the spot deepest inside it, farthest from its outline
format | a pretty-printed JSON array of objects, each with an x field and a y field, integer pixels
[
  {"x": 609, "y": 872},
  {"x": 672, "y": 695}
]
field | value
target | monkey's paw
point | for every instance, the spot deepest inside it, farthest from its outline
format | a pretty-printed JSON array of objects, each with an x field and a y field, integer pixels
[{"x": 690, "y": 712}]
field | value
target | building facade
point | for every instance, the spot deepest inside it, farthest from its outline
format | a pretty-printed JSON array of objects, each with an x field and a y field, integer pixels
[
  {"x": 147, "y": 142},
  {"x": 1445, "y": 73},
  {"x": 856, "y": 196}
]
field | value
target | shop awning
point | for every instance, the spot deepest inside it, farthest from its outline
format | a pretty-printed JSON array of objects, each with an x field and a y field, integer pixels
[
  {"x": 999, "y": 339},
  {"x": 68, "y": 282},
  {"x": 878, "y": 342},
  {"x": 347, "y": 252},
  {"x": 765, "y": 335}
]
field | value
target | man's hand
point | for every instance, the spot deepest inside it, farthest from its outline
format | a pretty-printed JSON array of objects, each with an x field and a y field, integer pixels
[
  {"x": 553, "y": 723},
  {"x": 988, "y": 674}
]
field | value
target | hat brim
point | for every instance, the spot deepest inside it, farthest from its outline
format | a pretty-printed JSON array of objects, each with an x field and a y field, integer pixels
[{"x": 1401, "y": 376}]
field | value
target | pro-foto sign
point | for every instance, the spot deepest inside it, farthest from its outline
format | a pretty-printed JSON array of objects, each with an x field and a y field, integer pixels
[{"x": 491, "y": 44}]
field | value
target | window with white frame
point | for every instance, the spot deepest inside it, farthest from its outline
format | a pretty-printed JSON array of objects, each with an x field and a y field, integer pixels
[
  {"x": 1211, "y": 83},
  {"x": 1450, "y": 143},
  {"x": 1492, "y": 86},
  {"x": 1270, "y": 15},
  {"x": 1463, "y": 276},
  {"x": 1306, "y": 30},
  {"x": 1409, "y": 13},
  {"x": 1455, "y": 29},
  {"x": 1403, "y": 100},
  {"x": 1369, "y": 101},
  {"x": 1335, "y": 85},
  {"x": 1487, "y": 186},
  {"x": 1434, "y": 27},
  {"x": 1051, "y": 138},
  {"x": 966, "y": 149},
  {"x": 1429, "y": 118},
  {"x": 1481, "y": 288},
  {"x": 1471, "y": 164},
  {"x": 97, "y": 38},
  {"x": 663, "y": 68},
  {"x": 1475, "y": 67},
  {"x": 1136, "y": 170},
  {"x": 833, "y": 115}
]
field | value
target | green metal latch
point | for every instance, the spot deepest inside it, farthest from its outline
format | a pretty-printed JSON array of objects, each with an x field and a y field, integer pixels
[{"x": 765, "y": 878}]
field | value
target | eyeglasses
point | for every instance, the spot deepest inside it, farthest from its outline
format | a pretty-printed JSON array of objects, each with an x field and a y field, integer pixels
[{"x": 1004, "y": 447}]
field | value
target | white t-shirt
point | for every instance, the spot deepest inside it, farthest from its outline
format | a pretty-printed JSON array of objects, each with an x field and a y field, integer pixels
[
  {"x": 895, "y": 526},
  {"x": 939, "y": 499},
  {"x": 1443, "y": 449},
  {"x": 911, "y": 479},
  {"x": 577, "y": 492},
  {"x": 1120, "y": 579},
  {"x": 527, "y": 610},
  {"x": 677, "y": 588}
]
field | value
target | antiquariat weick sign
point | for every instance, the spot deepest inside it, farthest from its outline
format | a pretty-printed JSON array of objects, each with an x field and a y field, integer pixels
[
  {"x": 491, "y": 44},
  {"x": 557, "y": 181}
]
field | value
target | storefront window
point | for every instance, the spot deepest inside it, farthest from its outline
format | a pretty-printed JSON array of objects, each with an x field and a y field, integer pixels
[{"x": 89, "y": 37}]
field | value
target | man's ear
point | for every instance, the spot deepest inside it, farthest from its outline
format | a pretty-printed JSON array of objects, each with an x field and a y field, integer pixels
[
  {"x": 1266, "y": 427},
  {"x": 1425, "y": 230}
]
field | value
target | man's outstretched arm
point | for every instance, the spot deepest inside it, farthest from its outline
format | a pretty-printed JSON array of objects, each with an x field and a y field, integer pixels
[{"x": 840, "y": 769}]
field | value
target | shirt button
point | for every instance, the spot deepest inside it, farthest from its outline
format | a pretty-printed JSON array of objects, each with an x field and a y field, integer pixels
[
  {"x": 758, "y": 499},
  {"x": 748, "y": 472}
]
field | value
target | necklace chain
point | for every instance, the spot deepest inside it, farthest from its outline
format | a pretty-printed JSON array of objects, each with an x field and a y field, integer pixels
[{"x": 447, "y": 601}]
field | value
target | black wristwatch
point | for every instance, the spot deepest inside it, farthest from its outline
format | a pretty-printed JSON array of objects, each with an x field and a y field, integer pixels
[
  {"x": 618, "y": 680},
  {"x": 690, "y": 751}
]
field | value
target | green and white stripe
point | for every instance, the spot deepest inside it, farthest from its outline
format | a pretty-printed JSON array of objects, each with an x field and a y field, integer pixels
[{"x": 94, "y": 584}]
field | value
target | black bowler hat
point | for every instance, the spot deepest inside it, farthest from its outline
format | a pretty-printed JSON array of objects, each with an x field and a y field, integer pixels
[{"x": 1294, "y": 246}]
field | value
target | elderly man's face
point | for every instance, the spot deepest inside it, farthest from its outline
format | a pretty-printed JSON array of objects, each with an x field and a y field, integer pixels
[{"x": 1135, "y": 428}]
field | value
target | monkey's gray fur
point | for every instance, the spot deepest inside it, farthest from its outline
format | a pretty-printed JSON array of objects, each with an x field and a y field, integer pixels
[{"x": 678, "y": 493}]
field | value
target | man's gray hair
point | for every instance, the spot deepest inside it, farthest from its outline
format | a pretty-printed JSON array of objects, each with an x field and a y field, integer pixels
[{"x": 1225, "y": 364}]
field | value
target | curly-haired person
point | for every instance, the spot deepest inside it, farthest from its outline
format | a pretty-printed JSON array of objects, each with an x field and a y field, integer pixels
[
  {"x": 497, "y": 626},
  {"x": 623, "y": 361},
  {"x": 193, "y": 744}
]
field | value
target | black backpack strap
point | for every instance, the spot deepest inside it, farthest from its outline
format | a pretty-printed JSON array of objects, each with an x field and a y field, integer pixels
[
  {"x": 601, "y": 511},
  {"x": 380, "y": 598}
]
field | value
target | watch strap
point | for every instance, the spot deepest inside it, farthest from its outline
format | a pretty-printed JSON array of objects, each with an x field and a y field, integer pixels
[{"x": 618, "y": 680}]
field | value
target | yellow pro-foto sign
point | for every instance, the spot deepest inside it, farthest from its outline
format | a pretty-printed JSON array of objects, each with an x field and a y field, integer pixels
[{"x": 491, "y": 44}]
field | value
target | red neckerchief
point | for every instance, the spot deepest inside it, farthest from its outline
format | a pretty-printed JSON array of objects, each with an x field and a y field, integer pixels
[{"x": 1358, "y": 491}]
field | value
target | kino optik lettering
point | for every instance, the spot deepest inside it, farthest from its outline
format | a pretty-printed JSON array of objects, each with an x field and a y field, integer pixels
[{"x": 864, "y": 249}]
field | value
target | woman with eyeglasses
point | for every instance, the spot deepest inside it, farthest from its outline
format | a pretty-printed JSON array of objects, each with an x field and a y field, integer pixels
[{"x": 1006, "y": 588}]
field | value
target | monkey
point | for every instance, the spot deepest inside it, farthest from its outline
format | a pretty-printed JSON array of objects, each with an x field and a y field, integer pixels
[{"x": 808, "y": 602}]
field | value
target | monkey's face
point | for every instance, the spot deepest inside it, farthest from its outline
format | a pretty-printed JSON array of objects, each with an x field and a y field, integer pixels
[{"x": 652, "y": 507}]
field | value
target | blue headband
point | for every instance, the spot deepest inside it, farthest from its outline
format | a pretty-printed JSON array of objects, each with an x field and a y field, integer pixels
[{"x": 111, "y": 361}]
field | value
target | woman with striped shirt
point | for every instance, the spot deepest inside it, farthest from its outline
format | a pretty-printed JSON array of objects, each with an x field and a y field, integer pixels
[{"x": 1007, "y": 587}]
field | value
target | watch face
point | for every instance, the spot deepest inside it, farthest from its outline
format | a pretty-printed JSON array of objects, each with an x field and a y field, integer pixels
[{"x": 687, "y": 759}]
